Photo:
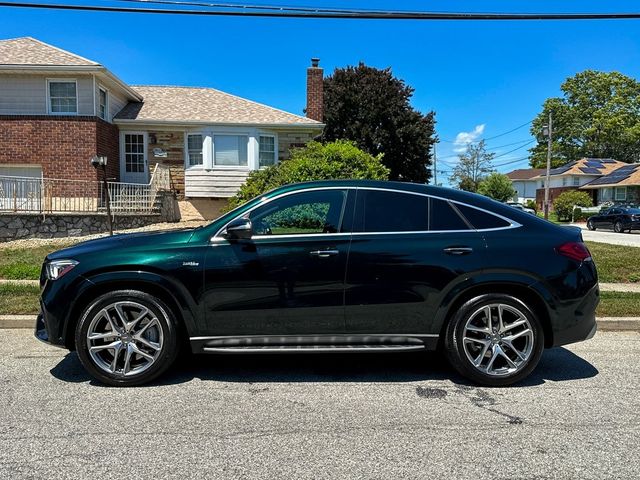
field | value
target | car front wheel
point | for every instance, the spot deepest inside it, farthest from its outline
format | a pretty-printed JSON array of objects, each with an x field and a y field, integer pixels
[
  {"x": 590, "y": 225},
  {"x": 618, "y": 227},
  {"x": 126, "y": 338},
  {"x": 494, "y": 340}
]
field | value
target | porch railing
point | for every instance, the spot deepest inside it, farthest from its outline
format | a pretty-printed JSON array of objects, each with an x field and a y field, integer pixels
[{"x": 50, "y": 195}]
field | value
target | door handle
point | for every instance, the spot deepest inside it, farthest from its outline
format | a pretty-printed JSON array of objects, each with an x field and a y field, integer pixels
[
  {"x": 324, "y": 253},
  {"x": 458, "y": 250}
]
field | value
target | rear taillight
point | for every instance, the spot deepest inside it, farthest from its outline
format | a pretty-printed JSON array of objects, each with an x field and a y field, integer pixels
[{"x": 574, "y": 250}]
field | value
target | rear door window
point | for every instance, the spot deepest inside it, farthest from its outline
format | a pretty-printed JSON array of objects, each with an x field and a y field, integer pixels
[
  {"x": 443, "y": 217},
  {"x": 480, "y": 219},
  {"x": 386, "y": 211}
]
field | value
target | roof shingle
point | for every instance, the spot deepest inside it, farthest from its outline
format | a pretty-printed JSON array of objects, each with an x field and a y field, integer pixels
[
  {"x": 525, "y": 173},
  {"x": 204, "y": 105},
  {"x": 29, "y": 51}
]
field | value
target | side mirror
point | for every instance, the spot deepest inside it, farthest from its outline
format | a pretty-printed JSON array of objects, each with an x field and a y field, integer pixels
[{"x": 239, "y": 229}]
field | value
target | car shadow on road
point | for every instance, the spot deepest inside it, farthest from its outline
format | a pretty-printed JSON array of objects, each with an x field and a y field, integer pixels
[{"x": 557, "y": 364}]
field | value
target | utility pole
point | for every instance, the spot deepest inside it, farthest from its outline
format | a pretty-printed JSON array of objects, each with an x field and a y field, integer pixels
[
  {"x": 435, "y": 166},
  {"x": 547, "y": 131}
]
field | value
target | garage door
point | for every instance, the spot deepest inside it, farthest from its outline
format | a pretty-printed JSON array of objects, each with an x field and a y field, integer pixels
[{"x": 20, "y": 188}]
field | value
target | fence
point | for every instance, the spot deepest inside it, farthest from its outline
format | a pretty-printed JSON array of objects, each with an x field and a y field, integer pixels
[{"x": 48, "y": 195}]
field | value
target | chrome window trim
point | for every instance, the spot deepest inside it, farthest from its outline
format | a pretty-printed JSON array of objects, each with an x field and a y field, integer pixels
[{"x": 512, "y": 223}]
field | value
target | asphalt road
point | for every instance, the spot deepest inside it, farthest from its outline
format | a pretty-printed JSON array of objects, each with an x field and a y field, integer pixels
[
  {"x": 346, "y": 416},
  {"x": 608, "y": 236}
]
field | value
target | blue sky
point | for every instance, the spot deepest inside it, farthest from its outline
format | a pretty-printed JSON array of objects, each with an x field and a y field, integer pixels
[{"x": 481, "y": 78}]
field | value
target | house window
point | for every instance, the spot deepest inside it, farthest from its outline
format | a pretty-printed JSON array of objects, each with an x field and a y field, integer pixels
[
  {"x": 230, "y": 150},
  {"x": 565, "y": 181},
  {"x": 103, "y": 103},
  {"x": 576, "y": 181},
  {"x": 194, "y": 150},
  {"x": 134, "y": 153},
  {"x": 621, "y": 194},
  {"x": 267, "y": 150},
  {"x": 63, "y": 96}
]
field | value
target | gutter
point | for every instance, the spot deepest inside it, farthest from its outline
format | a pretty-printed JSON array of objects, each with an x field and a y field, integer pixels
[{"x": 201, "y": 123}]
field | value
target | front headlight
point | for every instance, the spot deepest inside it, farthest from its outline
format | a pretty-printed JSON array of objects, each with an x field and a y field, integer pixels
[{"x": 57, "y": 268}]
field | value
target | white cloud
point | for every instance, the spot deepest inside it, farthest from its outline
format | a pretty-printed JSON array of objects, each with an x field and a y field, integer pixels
[{"x": 465, "y": 138}]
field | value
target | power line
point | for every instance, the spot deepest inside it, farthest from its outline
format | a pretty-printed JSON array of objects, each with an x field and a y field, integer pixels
[
  {"x": 528, "y": 140},
  {"x": 511, "y": 151},
  {"x": 495, "y": 136},
  {"x": 284, "y": 12}
]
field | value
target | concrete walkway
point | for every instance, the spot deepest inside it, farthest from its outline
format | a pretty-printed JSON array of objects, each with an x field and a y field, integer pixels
[
  {"x": 608, "y": 236},
  {"x": 34, "y": 283}
]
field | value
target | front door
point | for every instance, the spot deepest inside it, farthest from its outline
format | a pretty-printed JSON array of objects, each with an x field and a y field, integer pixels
[
  {"x": 288, "y": 279},
  {"x": 406, "y": 251},
  {"x": 133, "y": 158}
]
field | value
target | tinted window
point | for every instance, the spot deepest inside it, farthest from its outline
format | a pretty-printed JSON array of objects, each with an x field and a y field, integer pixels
[
  {"x": 380, "y": 211},
  {"x": 481, "y": 220},
  {"x": 301, "y": 213},
  {"x": 443, "y": 217}
]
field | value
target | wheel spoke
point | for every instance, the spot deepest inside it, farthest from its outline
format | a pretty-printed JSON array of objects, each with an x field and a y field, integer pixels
[
  {"x": 515, "y": 324},
  {"x": 487, "y": 312},
  {"x": 506, "y": 357},
  {"x": 102, "y": 336},
  {"x": 127, "y": 359},
  {"x": 155, "y": 346},
  {"x": 477, "y": 340},
  {"x": 478, "y": 361},
  {"x": 494, "y": 355},
  {"x": 500, "y": 321},
  {"x": 514, "y": 349},
  {"x": 132, "y": 325},
  {"x": 108, "y": 346},
  {"x": 116, "y": 354},
  {"x": 151, "y": 322},
  {"x": 473, "y": 328},
  {"x": 141, "y": 353},
  {"x": 522, "y": 333},
  {"x": 105, "y": 314}
]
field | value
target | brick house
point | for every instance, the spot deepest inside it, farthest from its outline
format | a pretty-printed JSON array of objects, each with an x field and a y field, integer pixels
[{"x": 57, "y": 110}]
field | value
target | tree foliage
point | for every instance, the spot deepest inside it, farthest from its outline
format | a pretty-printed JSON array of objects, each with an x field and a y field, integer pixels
[
  {"x": 316, "y": 161},
  {"x": 497, "y": 186},
  {"x": 472, "y": 167},
  {"x": 564, "y": 203},
  {"x": 371, "y": 107},
  {"x": 597, "y": 116}
]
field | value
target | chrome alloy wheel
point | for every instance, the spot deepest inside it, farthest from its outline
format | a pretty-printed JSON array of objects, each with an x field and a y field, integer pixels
[
  {"x": 124, "y": 338},
  {"x": 498, "y": 339}
]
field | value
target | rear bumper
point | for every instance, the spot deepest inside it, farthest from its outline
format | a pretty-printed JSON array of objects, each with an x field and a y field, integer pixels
[{"x": 577, "y": 322}]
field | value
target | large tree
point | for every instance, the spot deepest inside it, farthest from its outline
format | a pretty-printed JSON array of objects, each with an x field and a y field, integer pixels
[
  {"x": 598, "y": 115},
  {"x": 497, "y": 186},
  {"x": 474, "y": 164},
  {"x": 372, "y": 108}
]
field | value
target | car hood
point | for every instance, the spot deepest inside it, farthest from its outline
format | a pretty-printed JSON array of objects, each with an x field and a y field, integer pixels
[{"x": 122, "y": 241}]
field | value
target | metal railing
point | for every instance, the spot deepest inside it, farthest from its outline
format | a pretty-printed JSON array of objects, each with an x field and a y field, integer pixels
[{"x": 50, "y": 195}]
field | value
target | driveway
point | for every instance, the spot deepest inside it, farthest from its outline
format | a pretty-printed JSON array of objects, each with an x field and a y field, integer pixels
[
  {"x": 607, "y": 236},
  {"x": 341, "y": 416}
]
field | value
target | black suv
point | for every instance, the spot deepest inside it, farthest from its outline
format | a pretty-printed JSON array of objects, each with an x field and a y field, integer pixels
[
  {"x": 619, "y": 218},
  {"x": 355, "y": 266}
]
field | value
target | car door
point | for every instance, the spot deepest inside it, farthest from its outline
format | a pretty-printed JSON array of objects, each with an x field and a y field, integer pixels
[
  {"x": 289, "y": 277},
  {"x": 407, "y": 250}
]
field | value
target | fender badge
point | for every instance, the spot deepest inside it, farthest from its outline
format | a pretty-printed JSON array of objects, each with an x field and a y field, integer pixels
[{"x": 190, "y": 264}]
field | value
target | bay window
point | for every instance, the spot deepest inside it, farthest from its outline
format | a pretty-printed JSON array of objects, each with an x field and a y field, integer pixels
[
  {"x": 230, "y": 150},
  {"x": 194, "y": 150},
  {"x": 267, "y": 151}
]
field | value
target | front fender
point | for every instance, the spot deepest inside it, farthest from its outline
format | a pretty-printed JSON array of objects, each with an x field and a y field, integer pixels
[{"x": 168, "y": 290}]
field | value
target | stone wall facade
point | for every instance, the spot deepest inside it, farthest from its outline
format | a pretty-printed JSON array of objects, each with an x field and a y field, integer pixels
[
  {"x": 61, "y": 145},
  {"x": 292, "y": 139},
  {"x": 171, "y": 143}
]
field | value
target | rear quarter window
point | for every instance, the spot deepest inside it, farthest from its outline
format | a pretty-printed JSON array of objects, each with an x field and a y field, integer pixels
[
  {"x": 480, "y": 219},
  {"x": 443, "y": 217}
]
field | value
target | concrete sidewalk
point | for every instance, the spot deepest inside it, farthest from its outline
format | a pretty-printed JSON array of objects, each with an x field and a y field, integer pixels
[{"x": 609, "y": 324}]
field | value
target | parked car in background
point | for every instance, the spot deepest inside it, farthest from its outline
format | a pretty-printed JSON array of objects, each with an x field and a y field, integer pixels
[
  {"x": 334, "y": 266},
  {"x": 521, "y": 207},
  {"x": 618, "y": 218}
]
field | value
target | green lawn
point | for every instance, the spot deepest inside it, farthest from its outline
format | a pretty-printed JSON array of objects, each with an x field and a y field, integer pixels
[
  {"x": 619, "y": 304},
  {"x": 19, "y": 299},
  {"x": 25, "y": 263},
  {"x": 616, "y": 263}
]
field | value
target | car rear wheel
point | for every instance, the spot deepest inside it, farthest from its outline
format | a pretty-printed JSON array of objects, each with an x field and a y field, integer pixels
[
  {"x": 590, "y": 225},
  {"x": 617, "y": 227},
  {"x": 494, "y": 340},
  {"x": 126, "y": 338}
]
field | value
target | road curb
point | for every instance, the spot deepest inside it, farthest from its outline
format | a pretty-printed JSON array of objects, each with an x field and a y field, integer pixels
[{"x": 605, "y": 324}]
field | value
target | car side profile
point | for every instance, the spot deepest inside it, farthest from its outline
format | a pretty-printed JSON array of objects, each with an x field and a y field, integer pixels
[
  {"x": 332, "y": 266},
  {"x": 617, "y": 218}
]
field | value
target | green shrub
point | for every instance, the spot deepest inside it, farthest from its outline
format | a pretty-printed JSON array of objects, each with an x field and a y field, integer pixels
[
  {"x": 316, "y": 161},
  {"x": 563, "y": 205},
  {"x": 497, "y": 186}
]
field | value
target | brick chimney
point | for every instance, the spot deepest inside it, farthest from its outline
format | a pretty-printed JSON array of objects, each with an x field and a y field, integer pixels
[{"x": 315, "y": 76}]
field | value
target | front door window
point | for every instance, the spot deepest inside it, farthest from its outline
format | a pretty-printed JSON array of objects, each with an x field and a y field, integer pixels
[{"x": 134, "y": 164}]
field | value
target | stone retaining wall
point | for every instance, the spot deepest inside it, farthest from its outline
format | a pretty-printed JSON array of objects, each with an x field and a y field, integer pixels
[{"x": 14, "y": 226}]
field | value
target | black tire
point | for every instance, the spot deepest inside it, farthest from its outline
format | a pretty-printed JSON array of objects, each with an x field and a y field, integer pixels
[
  {"x": 455, "y": 349},
  {"x": 590, "y": 225},
  {"x": 617, "y": 227},
  {"x": 165, "y": 356}
]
